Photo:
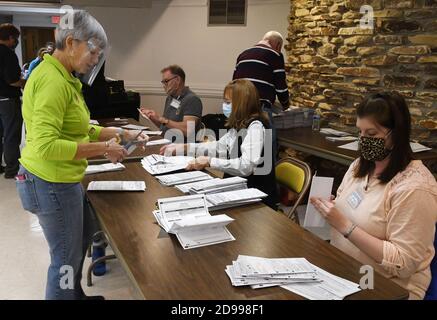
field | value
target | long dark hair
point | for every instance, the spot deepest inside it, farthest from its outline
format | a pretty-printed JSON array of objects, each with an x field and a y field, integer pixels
[{"x": 390, "y": 110}]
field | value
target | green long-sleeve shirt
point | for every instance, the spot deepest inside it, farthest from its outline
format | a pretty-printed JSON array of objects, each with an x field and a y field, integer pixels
[{"x": 57, "y": 120}]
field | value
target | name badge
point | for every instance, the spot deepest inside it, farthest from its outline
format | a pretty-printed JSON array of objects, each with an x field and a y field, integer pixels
[
  {"x": 355, "y": 198},
  {"x": 175, "y": 104}
]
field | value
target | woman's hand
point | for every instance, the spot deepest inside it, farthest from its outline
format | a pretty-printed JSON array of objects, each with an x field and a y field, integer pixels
[
  {"x": 334, "y": 217},
  {"x": 132, "y": 135},
  {"x": 199, "y": 163},
  {"x": 114, "y": 151},
  {"x": 172, "y": 149}
]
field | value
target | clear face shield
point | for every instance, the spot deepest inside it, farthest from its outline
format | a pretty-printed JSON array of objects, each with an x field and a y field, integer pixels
[{"x": 92, "y": 62}]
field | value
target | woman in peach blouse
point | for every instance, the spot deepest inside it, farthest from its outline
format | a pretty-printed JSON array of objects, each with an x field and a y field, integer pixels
[{"x": 385, "y": 211}]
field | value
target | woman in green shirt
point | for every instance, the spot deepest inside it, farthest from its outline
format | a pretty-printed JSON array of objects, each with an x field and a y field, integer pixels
[{"x": 59, "y": 140}]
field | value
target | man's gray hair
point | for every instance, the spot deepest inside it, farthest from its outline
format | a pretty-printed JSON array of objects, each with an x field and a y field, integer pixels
[
  {"x": 274, "y": 37},
  {"x": 85, "y": 27}
]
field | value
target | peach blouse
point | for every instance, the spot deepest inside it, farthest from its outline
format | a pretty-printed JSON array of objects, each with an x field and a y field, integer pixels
[{"x": 402, "y": 213}]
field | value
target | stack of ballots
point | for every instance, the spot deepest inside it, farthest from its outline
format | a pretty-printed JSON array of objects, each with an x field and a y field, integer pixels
[
  {"x": 214, "y": 185},
  {"x": 229, "y": 199},
  {"x": 106, "y": 167},
  {"x": 183, "y": 178},
  {"x": 156, "y": 164},
  {"x": 293, "y": 117},
  {"x": 294, "y": 274},
  {"x": 189, "y": 219}
]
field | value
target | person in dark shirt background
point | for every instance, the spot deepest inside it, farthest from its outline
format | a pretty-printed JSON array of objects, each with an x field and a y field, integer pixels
[
  {"x": 264, "y": 66},
  {"x": 10, "y": 104}
]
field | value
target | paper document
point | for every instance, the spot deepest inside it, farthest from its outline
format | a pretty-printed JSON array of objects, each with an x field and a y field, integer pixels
[
  {"x": 131, "y": 147},
  {"x": 230, "y": 199},
  {"x": 416, "y": 147},
  {"x": 158, "y": 142},
  {"x": 321, "y": 187},
  {"x": 214, "y": 185},
  {"x": 184, "y": 177},
  {"x": 334, "y": 132},
  {"x": 330, "y": 287},
  {"x": 235, "y": 196},
  {"x": 350, "y": 146},
  {"x": 347, "y": 138},
  {"x": 107, "y": 167},
  {"x": 294, "y": 274},
  {"x": 134, "y": 127},
  {"x": 117, "y": 186},
  {"x": 94, "y": 122},
  {"x": 189, "y": 219},
  {"x": 157, "y": 164},
  {"x": 152, "y": 133}
]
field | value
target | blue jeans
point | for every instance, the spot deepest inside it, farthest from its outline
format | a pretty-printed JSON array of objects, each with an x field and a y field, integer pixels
[{"x": 68, "y": 225}]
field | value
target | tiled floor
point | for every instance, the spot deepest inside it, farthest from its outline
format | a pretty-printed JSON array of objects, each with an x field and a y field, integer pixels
[{"x": 24, "y": 256}]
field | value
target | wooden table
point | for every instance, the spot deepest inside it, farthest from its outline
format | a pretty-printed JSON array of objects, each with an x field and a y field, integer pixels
[
  {"x": 161, "y": 269},
  {"x": 315, "y": 143}
]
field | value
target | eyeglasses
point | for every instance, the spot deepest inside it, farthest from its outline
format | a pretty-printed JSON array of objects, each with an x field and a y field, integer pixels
[
  {"x": 165, "y": 82},
  {"x": 93, "y": 47}
]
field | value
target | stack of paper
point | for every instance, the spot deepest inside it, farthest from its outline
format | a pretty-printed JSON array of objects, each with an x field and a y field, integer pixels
[
  {"x": 157, "y": 164},
  {"x": 183, "y": 178},
  {"x": 294, "y": 274},
  {"x": 294, "y": 118},
  {"x": 152, "y": 133},
  {"x": 229, "y": 199},
  {"x": 158, "y": 142},
  {"x": 117, "y": 186},
  {"x": 346, "y": 138},
  {"x": 334, "y": 132},
  {"x": 261, "y": 272},
  {"x": 107, "y": 167},
  {"x": 188, "y": 218},
  {"x": 134, "y": 127},
  {"x": 214, "y": 185}
]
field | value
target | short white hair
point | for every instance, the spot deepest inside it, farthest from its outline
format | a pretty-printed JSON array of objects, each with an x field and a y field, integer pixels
[
  {"x": 85, "y": 27},
  {"x": 274, "y": 37}
]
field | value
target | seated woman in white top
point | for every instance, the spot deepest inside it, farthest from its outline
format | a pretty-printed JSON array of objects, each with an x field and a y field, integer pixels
[
  {"x": 246, "y": 149},
  {"x": 385, "y": 212}
]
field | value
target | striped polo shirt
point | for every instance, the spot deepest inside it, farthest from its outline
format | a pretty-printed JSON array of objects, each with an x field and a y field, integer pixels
[{"x": 265, "y": 68}]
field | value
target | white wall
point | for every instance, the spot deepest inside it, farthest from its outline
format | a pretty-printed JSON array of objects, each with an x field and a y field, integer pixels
[{"x": 175, "y": 31}]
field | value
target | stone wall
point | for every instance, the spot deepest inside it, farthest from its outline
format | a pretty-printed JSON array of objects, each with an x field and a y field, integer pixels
[{"x": 333, "y": 62}]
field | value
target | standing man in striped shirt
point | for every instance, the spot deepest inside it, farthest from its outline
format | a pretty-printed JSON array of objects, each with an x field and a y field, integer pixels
[{"x": 264, "y": 65}]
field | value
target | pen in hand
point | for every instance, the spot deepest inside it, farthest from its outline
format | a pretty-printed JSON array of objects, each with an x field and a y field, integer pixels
[{"x": 142, "y": 114}]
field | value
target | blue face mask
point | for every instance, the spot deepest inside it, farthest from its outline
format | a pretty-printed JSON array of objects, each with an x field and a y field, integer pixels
[{"x": 227, "y": 109}]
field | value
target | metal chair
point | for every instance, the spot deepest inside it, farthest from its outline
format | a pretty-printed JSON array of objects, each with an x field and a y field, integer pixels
[{"x": 294, "y": 175}]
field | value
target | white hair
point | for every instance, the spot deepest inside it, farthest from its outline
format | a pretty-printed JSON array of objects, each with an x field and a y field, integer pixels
[
  {"x": 273, "y": 37},
  {"x": 85, "y": 27}
]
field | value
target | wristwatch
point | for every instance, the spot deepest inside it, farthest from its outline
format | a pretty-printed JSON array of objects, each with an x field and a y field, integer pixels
[{"x": 120, "y": 132}]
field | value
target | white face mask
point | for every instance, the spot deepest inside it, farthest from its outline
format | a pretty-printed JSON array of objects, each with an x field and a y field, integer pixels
[{"x": 227, "y": 109}]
